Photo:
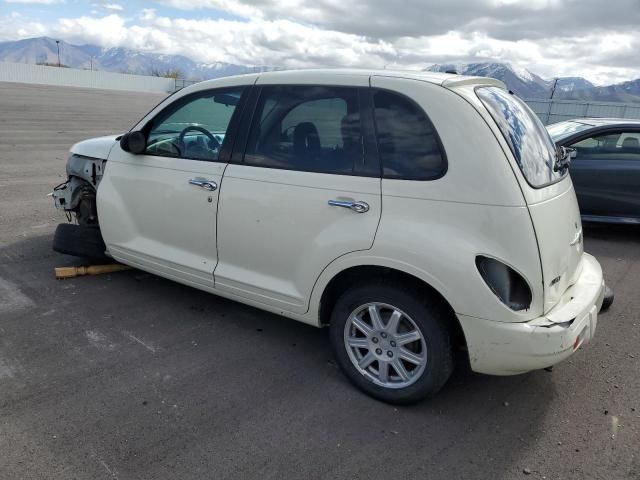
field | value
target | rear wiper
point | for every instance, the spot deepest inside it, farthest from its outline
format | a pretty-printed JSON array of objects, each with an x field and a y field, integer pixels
[{"x": 563, "y": 159}]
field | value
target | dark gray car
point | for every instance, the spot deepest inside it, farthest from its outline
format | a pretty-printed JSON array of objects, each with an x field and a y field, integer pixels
[{"x": 605, "y": 166}]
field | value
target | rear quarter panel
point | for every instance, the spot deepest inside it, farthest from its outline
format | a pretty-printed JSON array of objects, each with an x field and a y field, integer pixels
[
  {"x": 435, "y": 229},
  {"x": 555, "y": 215}
]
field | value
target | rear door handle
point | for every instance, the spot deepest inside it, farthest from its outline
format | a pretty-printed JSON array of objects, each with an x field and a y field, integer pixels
[
  {"x": 358, "y": 207},
  {"x": 204, "y": 183}
]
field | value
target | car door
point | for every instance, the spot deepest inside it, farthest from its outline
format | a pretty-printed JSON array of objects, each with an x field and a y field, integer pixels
[
  {"x": 157, "y": 210},
  {"x": 606, "y": 174},
  {"x": 305, "y": 191}
]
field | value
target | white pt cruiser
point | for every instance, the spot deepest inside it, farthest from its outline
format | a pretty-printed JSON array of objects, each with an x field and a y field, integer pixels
[{"x": 418, "y": 215}]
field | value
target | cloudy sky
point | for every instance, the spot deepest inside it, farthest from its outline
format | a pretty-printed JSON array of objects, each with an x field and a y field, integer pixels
[{"x": 596, "y": 39}]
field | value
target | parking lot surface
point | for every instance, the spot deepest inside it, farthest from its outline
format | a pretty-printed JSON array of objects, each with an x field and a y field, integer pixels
[{"x": 128, "y": 375}]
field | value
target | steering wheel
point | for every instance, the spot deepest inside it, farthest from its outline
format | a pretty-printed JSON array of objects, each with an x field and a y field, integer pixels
[{"x": 213, "y": 141}]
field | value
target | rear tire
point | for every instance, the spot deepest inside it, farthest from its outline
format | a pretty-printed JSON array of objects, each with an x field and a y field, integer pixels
[
  {"x": 80, "y": 241},
  {"x": 385, "y": 362}
]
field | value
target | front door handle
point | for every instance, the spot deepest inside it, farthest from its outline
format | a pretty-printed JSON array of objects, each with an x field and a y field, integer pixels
[
  {"x": 358, "y": 207},
  {"x": 204, "y": 183}
]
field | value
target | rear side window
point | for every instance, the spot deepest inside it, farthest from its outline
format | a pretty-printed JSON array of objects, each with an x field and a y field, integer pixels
[
  {"x": 307, "y": 128},
  {"x": 609, "y": 146},
  {"x": 529, "y": 141},
  {"x": 408, "y": 144}
]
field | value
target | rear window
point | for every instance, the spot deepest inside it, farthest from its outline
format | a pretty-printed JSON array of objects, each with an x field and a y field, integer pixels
[{"x": 529, "y": 141}]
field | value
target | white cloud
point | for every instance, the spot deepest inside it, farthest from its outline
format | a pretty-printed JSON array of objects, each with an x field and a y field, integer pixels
[
  {"x": 289, "y": 33},
  {"x": 531, "y": 4},
  {"x": 116, "y": 7},
  {"x": 505, "y": 19},
  {"x": 236, "y": 7},
  {"x": 39, "y": 2},
  {"x": 113, "y": 7},
  {"x": 148, "y": 13}
]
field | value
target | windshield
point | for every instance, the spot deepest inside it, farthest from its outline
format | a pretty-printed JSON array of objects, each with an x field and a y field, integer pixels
[
  {"x": 529, "y": 141},
  {"x": 561, "y": 130}
]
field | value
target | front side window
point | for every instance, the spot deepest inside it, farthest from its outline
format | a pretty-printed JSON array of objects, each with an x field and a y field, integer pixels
[
  {"x": 532, "y": 147},
  {"x": 306, "y": 128},
  {"x": 193, "y": 127},
  {"x": 408, "y": 144},
  {"x": 609, "y": 146}
]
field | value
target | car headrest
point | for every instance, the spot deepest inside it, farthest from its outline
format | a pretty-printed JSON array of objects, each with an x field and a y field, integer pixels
[
  {"x": 305, "y": 138},
  {"x": 630, "y": 142}
]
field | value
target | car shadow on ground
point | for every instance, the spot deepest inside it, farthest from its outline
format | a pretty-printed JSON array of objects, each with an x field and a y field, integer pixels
[{"x": 217, "y": 355}]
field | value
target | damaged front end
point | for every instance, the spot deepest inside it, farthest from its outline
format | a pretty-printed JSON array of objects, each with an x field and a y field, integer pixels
[{"x": 77, "y": 198}]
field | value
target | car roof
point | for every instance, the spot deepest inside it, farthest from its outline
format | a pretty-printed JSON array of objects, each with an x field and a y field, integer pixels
[{"x": 335, "y": 75}]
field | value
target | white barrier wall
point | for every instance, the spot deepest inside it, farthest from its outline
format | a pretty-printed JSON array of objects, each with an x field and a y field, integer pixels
[
  {"x": 71, "y": 77},
  {"x": 549, "y": 111}
]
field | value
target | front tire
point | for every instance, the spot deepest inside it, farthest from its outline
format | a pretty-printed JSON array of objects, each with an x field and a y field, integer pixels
[
  {"x": 393, "y": 343},
  {"x": 81, "y": 241}
]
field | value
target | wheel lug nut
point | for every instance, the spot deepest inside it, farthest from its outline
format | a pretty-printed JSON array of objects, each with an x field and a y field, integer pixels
[
  {"x": 374, "y": 339},
  {"x": 389, "y": 353},
  {"x": 378, "y": 351}
]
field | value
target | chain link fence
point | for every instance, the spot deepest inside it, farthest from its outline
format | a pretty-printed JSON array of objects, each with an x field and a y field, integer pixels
[
  {"x": 552, "y": 111},
  {"x": 181, "y": 83}
]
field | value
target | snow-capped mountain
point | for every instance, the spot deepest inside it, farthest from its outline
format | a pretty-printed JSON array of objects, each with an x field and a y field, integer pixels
[
  {"x": 572, "y": 84},
  {"x": 528, "y": 85},
  {"x": 44, "y": 50},
  {"x": 523, "y": 82},
  {"x": 621, "y": 92}
]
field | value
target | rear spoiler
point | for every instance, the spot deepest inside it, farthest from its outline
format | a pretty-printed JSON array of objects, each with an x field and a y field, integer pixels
[{"x": 462, "y": 80}]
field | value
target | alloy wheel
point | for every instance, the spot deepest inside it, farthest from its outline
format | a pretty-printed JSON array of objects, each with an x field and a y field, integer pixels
[{"x": 385, "y": 345}]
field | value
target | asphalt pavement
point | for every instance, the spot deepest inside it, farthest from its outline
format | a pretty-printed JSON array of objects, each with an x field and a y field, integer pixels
[{"x": 130, "y": 376}]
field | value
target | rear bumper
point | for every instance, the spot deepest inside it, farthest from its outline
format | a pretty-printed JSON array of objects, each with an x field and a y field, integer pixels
[{"x": 498, "y": 348}]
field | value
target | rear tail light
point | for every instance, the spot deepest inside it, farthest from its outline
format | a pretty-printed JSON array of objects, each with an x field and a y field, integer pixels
[{"x": 507, "y": 284}]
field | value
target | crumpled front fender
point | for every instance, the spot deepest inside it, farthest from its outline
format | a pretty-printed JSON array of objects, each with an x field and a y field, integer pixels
[
  {"x": 87, "y": 168},
  {"x": 83, "y": 172}
]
